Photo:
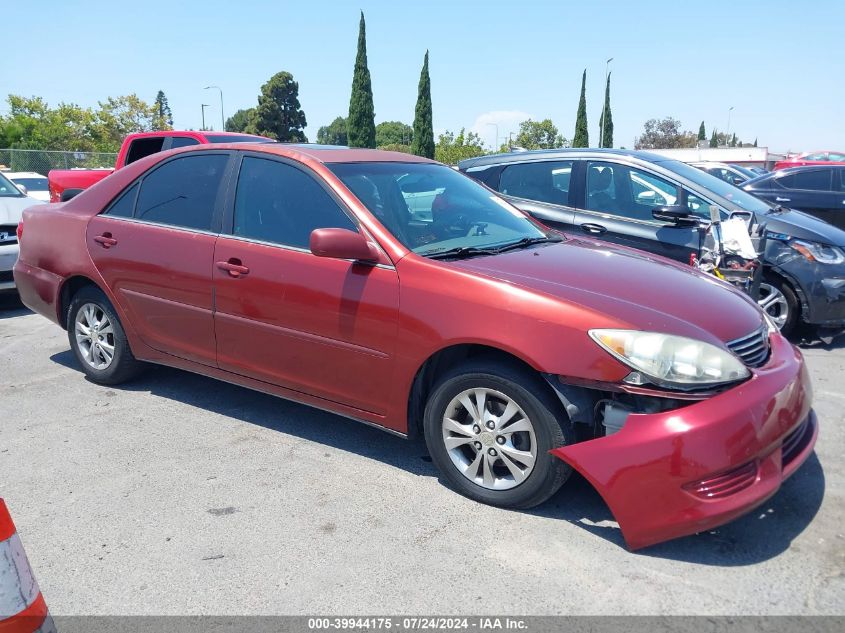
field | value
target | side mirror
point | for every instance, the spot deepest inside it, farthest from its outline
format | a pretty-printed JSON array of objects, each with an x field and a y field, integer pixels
[
  {"x": 675, "y": 214},
  {"x": 343, "y": 244},
  {"x": 67, "y": 194},
  {"x": 22, "y": 188}
]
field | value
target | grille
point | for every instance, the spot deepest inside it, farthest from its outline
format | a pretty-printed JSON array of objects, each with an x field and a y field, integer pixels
[
  {"x": 795, "y": 442},
  {"x": 8, "y": 234},
  {"x": 726, "y": 484},
  {"x": 753, "y": 349}
]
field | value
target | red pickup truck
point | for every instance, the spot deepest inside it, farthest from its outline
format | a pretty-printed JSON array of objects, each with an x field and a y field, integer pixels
[{"x": 137, "y": 146}]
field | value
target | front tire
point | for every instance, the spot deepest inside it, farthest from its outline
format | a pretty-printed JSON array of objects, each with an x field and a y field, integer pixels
[
  {"x": 98, "y": 340},
  {"x": 778, "y": 300},
  {"x": 489, "y": 427}
]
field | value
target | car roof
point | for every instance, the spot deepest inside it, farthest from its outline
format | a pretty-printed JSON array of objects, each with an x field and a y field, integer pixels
[
  {"x": 317, "y": 152},
  {"x": 23, "y": 174},
  {"x": 550, "y": 154}
]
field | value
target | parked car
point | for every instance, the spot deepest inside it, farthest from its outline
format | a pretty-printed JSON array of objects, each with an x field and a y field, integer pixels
[
  {"x": 731, "y": 174},
  {"x": 811, "y": 158},
  {"x": 819, "y": 191},
  {"x": 518, "y": 353},
  {"x": 756, "y": 171},
  {"x": 34, "y": 184},
  {"x": 12, "y": 203},
  {"x": 804, "y": 259},
  {"x": 135, "y": 147}
]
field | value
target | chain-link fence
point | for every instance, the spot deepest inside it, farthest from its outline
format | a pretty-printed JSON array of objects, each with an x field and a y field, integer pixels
[{"x": 42, "y": 161}]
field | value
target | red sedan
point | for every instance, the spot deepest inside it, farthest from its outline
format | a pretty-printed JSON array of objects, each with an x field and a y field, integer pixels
[
  {"x": 811, "y": 158},
  {"x": 396, "y": 291}
]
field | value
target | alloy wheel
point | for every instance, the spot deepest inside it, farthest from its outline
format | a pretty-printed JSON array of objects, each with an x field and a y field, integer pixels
[
  {"x": 94, "y": 336},
  {"x": 489, "y": 438},
  {"x": 774, "y": 303}
]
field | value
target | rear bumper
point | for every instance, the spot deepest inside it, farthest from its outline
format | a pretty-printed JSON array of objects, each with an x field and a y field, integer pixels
[
  {"x": 38, "y": 289},
  {"x": 684, "y": 471}
]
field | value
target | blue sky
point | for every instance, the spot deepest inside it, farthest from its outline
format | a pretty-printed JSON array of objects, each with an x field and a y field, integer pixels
[{"x": 778, "y": 63}]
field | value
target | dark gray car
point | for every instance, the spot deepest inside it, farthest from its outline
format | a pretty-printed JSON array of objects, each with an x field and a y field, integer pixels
[{"x": 610, "y": 195}]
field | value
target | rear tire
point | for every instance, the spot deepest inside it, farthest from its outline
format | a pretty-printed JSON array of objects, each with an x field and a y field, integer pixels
[
  {"x": 98, "y": 340},
  {"x": 778, "y": 300},
  {"x": 497, "y": 453}
]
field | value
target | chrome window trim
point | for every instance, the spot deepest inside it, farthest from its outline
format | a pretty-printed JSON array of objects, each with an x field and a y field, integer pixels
[{"x": 158, "y": 224}]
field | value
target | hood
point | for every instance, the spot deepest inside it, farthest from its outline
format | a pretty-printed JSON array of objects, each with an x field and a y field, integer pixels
[
  {"x": 639, "y": 290},
  {"x": 803, "y": 226},
  {"x": 11, "y": 209}
]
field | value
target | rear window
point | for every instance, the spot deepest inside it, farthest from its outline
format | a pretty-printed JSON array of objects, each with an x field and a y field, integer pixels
[
  {"x": 33, "y": 184},
  {"x": 141, "y": 147}
]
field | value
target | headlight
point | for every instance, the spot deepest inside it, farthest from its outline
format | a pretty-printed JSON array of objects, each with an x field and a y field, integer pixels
[
  {"x": 822, "y": 253},
  {"x": 675, "y": 362}
]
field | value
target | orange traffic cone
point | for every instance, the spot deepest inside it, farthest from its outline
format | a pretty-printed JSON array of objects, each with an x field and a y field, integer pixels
[{"x": 22, "y": 607}]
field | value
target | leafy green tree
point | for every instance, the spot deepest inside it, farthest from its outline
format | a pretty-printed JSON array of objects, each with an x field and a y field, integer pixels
[
  {"x": 714, "y": 140},
  {"x": 119, "y": 116},
  {"x": 664, "y": 134},
  {"x": 450, "y": 148},
  {"x": 539, "y": 135},
  {"x": 396, "y": 147},
  {"x": 361, "y": 126},
  {"x": 334, "y": 133},
  {"x": 278, "y": 114},
  {"x": 163, "y": 117},
  {"x": 606, "y": 127},
  {"x": 239, "y": 121},
  {"x": 702, "y": 135},
  {"x": 393, "y": 133},
  {"x": 423, "y": 141},
  {"x": 582, "y": 134}
]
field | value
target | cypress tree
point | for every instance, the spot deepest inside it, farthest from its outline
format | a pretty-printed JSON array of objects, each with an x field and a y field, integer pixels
[
  {"x": 606, "y": 125},
  {"x": 714, "y": 140},
  {"x": 733, "y": 140},
  {"x": 582, "y": 134},
  {"x": 755, "y": 141},
  {"x": 702, "y": 135},
  {"x": 361, "y": 126},
  {"x": 423, "y": 143}
]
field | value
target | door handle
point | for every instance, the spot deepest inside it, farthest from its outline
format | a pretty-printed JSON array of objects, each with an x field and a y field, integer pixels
[
  {"x": 105, "y": 240},
  {"x": 234, "y": 267},
  {"x": 779, "y": 199},
  {"x": 595, "y": 229}
]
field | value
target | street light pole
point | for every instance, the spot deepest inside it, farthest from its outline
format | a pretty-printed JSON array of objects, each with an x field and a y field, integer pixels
[
  {"x": 204, "y": 106},
  {"x": 222, "y": 117},
  {"x": 603, "y": 108},
  {"x": 728, "y": 131},
  {"x": 495, "y": 125}
]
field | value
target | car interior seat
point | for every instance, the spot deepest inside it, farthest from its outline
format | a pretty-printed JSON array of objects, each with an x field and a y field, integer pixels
[{"x": 599, "y": 197}]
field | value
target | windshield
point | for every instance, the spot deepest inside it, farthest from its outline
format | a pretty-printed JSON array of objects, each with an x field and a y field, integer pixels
[
  {"x": 432, "y": 208},
  {"x": 745, "y": 171},
  {"x": 33, "y": 184},
  {"x": 733, "y": 195},
  {"x": 7, "y": 189}
]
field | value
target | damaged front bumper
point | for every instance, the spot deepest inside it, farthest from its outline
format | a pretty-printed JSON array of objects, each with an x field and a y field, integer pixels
[{"x": 683, "y": 471}]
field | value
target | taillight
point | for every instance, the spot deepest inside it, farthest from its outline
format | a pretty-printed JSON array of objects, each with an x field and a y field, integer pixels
[{"x": 19, "y": 231}]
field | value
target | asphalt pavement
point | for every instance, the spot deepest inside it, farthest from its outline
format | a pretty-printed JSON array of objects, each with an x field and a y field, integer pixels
[{"x": 179, "y": 494}]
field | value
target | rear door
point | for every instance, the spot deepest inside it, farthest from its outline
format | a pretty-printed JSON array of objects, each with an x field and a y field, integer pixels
[
  {"x": 321, "y": 326},
  {"x": 544, "y": 189},
  {"x": 811, "y": 190},
  {"x": 154, "y": 247},
  {"x": 618, "y": 204}
]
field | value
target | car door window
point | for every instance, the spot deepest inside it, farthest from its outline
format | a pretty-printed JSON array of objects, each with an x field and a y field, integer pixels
[
  {"x": 124, "y": 206},
  {"x": 183, "y": 192},
  {"x": 145, "y": 146},
  {"x": 621, "y": 190},
  {"x": 836, "y": 156},
  {"x": 810, "y": 180},
  {"x": 544, "y": 181},
  {"x": 279, "y": 203},
  {"x": 182, "y": 141}
]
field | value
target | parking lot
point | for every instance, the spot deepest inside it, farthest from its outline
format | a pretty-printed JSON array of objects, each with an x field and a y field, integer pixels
[{"x": 177, "y": 494}]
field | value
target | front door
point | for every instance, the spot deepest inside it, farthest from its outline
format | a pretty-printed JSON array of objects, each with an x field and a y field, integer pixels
[
  {"x": 154, "y": 247},
  {"x": 618, "y": 206},
  {"x": 321, "y": 326}
]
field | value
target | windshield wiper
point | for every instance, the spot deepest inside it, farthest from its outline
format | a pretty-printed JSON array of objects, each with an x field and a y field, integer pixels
[
  {"x": 459, "y": 252},
  {"x": 528, "y": 241}
]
